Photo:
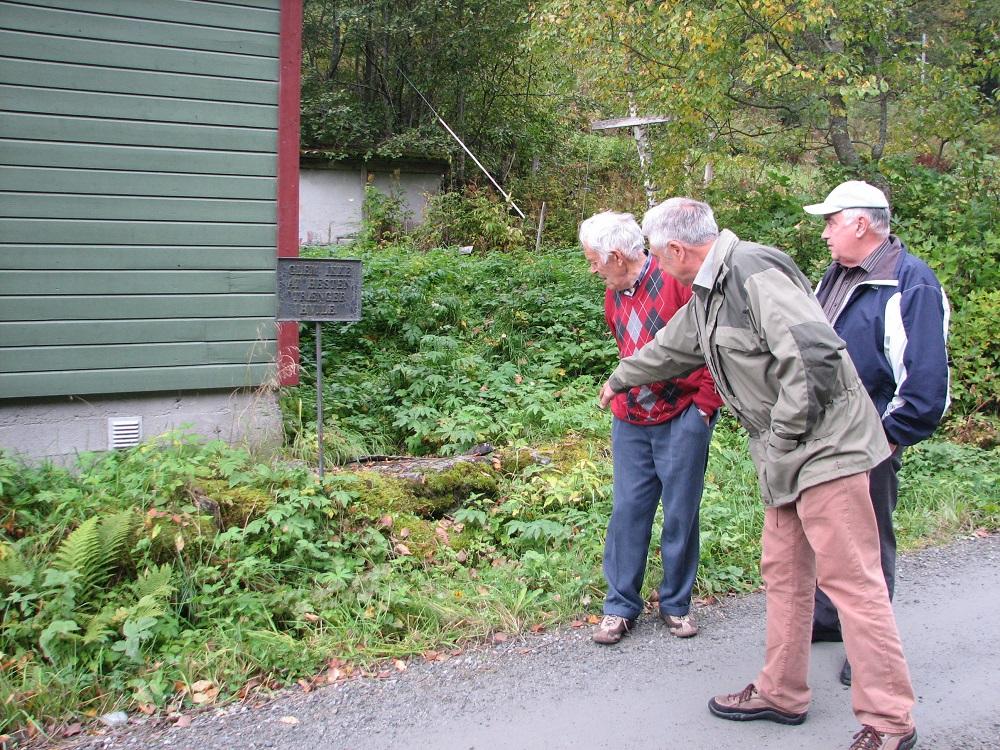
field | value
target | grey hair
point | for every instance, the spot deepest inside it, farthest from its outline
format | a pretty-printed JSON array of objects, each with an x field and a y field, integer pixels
[
  {"x": 683, "y": 219},
  {"x": 878, "y": 218},
  {"x": 609, "y": 231}
]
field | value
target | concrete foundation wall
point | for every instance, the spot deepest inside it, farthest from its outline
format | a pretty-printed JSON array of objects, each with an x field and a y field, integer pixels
[{"x": 58, "y": 429}]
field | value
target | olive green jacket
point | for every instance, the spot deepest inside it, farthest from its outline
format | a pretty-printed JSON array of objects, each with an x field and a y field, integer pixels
[{"x": 777, "y": 364}]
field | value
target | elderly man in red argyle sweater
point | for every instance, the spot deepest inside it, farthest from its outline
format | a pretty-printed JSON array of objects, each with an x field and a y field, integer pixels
[{"x": 659, "y": 437}]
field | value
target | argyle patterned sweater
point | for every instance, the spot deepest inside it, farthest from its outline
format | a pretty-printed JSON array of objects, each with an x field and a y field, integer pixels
[{"x": 634, "y": 319}]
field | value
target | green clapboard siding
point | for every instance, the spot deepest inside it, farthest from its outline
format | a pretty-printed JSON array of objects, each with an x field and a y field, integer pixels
[
  {"x": 49, "y": 358},
  {"x": 119, "y": 182},
  {"x": 135, "y": 282},
  {"x": 131, "y": 107},
  {"x": 69, "y": 231},
  {"x": 134, "y": 306},
  {"x": 179, "y": 11},
  {"x": 138, "y": 31},
  {"x": 134, "y": 133},
  {"x": 127, "y": 208},
  {"x": 37, "y": 73},
  {"x": 130, "y": 380},
  {"x": 120, "y": 257},
  {"x": 60, "y": 333},
  {"x": 138, "y": 57},
  {"x": 179, "y": 162},
  {"x": 138, "y": 216}
]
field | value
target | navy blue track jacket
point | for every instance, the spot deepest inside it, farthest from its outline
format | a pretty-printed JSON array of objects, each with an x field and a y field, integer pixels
[{"x": 896, "y": 330}]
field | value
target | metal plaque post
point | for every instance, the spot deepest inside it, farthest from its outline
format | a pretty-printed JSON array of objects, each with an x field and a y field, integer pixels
[
  {"x": 319, "y": 395},
  {"x": 319, "y": 290}
]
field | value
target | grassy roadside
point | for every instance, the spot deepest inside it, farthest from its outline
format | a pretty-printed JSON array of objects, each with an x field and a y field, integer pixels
[{"x": 182, "y": 613}]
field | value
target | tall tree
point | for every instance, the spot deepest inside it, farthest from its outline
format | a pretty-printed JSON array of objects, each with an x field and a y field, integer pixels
[
  {"x": 469, "y": 58},
  {"x": 809, "y": 74}
]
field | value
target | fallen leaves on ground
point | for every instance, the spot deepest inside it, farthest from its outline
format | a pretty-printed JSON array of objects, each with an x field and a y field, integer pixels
[
  {"x": 250, "y": 686},
  {"x": 436, "y": 656},
  {"x": 337, "y": 671},
  {"x": 203, "y": 692}
]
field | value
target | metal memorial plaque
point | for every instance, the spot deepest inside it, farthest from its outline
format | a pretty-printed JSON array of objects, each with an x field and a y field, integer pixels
[{"x": 319, "y": 289}]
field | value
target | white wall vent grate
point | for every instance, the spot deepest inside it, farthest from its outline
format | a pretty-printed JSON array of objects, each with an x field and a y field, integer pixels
[{"x": 124, "y": 432}]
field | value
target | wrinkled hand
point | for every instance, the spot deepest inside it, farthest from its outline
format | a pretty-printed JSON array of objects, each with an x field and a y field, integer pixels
[{"x": 606, "y": 395}]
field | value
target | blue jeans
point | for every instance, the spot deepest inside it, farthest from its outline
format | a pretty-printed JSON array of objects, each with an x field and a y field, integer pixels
[{"x": 652, "y": 464}]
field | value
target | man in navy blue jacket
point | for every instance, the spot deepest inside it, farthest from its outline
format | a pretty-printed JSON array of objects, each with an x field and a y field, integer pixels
[{"x": 890, "y": 309}]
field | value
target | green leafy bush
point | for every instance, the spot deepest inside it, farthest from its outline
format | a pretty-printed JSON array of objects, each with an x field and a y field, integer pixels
[
  {"x": 331, "y": 120},
  {"x": 455, "y": 350},
  {"x": 475, "y": 217},
  {"x": 383, "y": 218},
  {"x": 974, "y": 345},
  {"x": 766, "y": 206}
]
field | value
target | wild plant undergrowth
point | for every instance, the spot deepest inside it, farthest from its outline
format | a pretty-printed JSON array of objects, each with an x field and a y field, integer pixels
[
  {"x": 120, "y": 590},
  {"x": 185, "y": 572},
  {"x": 456, "y": 350}
]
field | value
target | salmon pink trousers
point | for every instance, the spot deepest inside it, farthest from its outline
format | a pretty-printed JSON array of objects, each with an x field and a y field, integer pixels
[{"x": 829, "y": 536}]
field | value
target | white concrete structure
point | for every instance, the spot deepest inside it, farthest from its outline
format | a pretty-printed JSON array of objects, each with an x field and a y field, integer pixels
[{"x": 331, "y": 194}]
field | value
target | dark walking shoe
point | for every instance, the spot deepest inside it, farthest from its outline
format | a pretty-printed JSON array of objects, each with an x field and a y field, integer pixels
[
  {"x": 680, "y": 626},
  {"x": 870, "y": 738},
  {"x": 845, "y": 673},
  {"x": 611, "y": 630},
  {"x": 748, "y": 705}
]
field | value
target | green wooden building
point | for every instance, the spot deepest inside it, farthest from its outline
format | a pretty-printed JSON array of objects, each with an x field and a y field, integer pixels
[{"x": 148, "y": 180}]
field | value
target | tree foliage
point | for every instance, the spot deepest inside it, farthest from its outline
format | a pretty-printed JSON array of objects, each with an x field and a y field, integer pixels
[
  {"x": 854, "y": 76},
  {"x": 468, "y": 58}
]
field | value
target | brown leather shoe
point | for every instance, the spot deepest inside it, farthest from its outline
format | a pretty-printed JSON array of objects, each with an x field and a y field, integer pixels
[
  {"x": 681, "y": 626},
  {"x": 870, "y": 738},
  {"x": 748, "y": 705},
  {"x": 611, "y": 630}
]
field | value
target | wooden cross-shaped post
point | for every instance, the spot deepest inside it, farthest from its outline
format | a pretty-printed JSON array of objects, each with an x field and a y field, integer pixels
[{"x": 638, "y": 125}]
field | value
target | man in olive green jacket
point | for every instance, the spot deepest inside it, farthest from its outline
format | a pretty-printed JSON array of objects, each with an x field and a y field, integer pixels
[{"x": 814, "y": 435}]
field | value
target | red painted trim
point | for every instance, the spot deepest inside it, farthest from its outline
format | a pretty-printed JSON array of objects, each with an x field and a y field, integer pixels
[{"x": 288, "y": 172}]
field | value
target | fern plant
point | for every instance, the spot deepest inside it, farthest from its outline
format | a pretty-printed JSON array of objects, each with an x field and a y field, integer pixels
[
  {"x": 94, "y": 551},
  {"x": 11, "y": 566},
  {"x": 149, "y": 594}
]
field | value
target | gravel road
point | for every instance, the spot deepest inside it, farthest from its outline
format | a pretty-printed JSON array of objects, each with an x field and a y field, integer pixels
[{"x": 558, "y": 690}]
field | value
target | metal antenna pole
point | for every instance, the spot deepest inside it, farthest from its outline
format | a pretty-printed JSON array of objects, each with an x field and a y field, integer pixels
[
  {"x": 452, "y": 133},
  {"x": 319, "y": 395}
]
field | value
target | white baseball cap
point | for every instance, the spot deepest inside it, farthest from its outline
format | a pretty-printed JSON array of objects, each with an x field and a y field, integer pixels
[{"x": 850, "y": 194}]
